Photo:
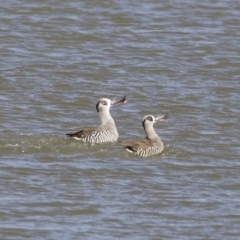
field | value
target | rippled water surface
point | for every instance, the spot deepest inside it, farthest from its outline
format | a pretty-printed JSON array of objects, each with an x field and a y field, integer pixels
[{"x": 58, "y": 58}]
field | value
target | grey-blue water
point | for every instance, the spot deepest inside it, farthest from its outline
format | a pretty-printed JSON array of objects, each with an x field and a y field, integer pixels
[{"x": 178, "y": 57}]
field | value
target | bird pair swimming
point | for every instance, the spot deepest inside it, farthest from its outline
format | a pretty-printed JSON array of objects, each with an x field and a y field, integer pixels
[{"x": 107, "y": 131}]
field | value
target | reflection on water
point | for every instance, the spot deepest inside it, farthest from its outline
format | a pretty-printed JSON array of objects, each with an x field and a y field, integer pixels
[{"x": 59, "y": 58}]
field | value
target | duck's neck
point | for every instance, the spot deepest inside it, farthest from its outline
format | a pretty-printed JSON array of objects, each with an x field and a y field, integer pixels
[
  {"x": 151, "y": 134},
  {"x": 106, "y": 119}
]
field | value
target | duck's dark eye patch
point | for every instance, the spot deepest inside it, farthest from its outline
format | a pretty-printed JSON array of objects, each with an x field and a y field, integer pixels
[
  {"x": 150, "y": 118},
  {"x": 97, "y": 106},
  {"x": 104, "y": 102}
]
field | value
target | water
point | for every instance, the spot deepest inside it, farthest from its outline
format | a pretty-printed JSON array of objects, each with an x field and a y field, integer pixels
[{"x": 58, "y": 58}]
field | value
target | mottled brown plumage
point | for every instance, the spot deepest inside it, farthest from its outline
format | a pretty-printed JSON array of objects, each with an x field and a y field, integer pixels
[
  {"x": 134, "y": 145},
  {"x": 84, "y": 132}
]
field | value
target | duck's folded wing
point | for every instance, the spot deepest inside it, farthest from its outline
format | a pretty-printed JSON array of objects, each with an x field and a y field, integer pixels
[
  {"x": 133, "y": 146},
  {"x": 83, "y": 133}
]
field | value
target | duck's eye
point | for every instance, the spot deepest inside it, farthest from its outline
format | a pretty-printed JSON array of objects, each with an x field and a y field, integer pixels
[
  {"x": 104, "y": 102},
  {"x": 150, "y": 118}
]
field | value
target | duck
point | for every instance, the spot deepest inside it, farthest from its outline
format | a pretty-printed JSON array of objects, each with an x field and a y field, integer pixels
[
  {"x": 152, "y": 144},
  {"x": 106, "y": 132}
]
